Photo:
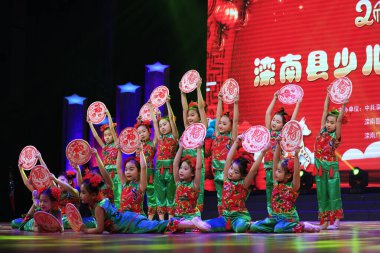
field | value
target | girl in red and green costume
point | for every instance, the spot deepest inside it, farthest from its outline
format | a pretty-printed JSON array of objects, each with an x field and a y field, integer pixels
[
  {"x": 327, "y": 177},
  {"x": 108, "y": 218},
  {"x": 286, "y": 185},
  {"x": 109, "y": 153},
  {"x": 187, "y": 176},
  {"x": 236, "y": 188},
  {"x": 48, "y": 201},
  {"x": 225, "y": 134},
  {"x": 195, "y": 113},
  {"x": 133, "y": 181},
  {"x": 149, "y": 149},
  {"x": 274, "y": 125},
  {"x": 166, "y": 134}
]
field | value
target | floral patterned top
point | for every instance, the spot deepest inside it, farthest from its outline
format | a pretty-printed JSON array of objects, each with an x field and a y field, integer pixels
[
  {"x": 186, "y": 200},
  {"x": 325, "y": 145},
  {"x": 283, "y": 200},
  {"x": 149, "y": 152},
  {"x": 268, "y": 158},
  {"x": 131, "y": 198},
  {"x": 109, "y": 153},
  {"x": 234, "y": 196},
  {"x": 220, "y": 147},
  {"x": 167, "y": 147},
  {"x": 66, "y": 198}
]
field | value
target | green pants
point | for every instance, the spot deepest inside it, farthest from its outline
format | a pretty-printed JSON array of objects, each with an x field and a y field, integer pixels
[
  {"x": 164, "y": 187},
  {"x": 269, "y": 188},
  {"x": 150, "y": 193},
  {"x": 111, "y": 170},
  {"x": 328, "y": 191},
  {"x": 218, "y": 181},
  {"x": 276, "y": 225}
]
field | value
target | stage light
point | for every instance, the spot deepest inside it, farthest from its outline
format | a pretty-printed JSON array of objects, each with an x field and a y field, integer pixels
[
  {"x": 157, "y": 67},
  {"x": 307, "y": 181},
  {"x": 358, "y": 180},
  {"x": 128, "y": 87}
]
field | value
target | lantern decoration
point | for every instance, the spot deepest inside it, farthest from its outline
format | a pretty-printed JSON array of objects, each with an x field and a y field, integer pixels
[{"x": 226, "y": 13}]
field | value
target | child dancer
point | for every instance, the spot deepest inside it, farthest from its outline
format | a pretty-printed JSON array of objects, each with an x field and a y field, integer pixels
[
  {"x": 48, "y": 202},
  {"x": 187, "y": 177},
  {"x": 225, "y": 133},
  {"x": 194, "y": 113},
  {"x": 68, "y": 195},
  {"x": 284, "y": 217},
  {"x": 236, "y": 189},
  {"x": 133, "y": 182},
  {"x": 109, "y": 219},
  {"x": 327, "y": 178},
  {"x": 149, "y": 149},
  {"x": 107, "y": 188},
  {"x": 166, "y": 131},
  {"x": 274, "y": 126},
  {"x": 109, "y": 154}
]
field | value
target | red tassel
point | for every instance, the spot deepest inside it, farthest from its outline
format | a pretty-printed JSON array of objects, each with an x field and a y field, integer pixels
[
  {"x": 322, "y": 220},
  {"x": 162, "y": 170},
  {"x": 228, "y": 225},
  {"x": 314, "y": 171},
  {"x": 332, "y": 219},
  {"x": 151, "y": 179},
  {"x": 171, "y": 169},
  {"x": 320, "y": 172},
  {"x": 331, "y": 172}
]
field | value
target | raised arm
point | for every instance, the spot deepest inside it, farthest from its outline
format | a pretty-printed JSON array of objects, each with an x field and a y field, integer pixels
[
  {"x": 176, "y": 163},
  {"x": 155, "y": 125},
  {"x": 198, "y": 168},
  {"x": 235, "y": 120},
  {"x": 143, "y": 177},
  {"x": 201, "y": 104},
  {"x": 103, "y": 172},
  {"x": 276, "y": 158},
  {"x": 255, "y": 167},
  {"x": 119, "y": 168},
  {"x": 79, "y": 173},
  {"x": 296, "y": 173},
  {"x": 185, "y": 109},
  {"x": 95, "y": 134},
  {"x": 25, "y": 178},
  {"x": 219, "y": 110},
  {"x": 268, "y": 113},
  {"x": 173, "y": 125},
  {"x": 296, "y": 109},
  {"x": 325, "y": 108},
  {"x": 65, "y": 186},
  {"x": 99, "y": 217},
  {"x": 111, "y": 126},
  {"x": 338, "y": 129},
  {"x": 231, "y": 155},
  {"x": 42, "y": 162}
]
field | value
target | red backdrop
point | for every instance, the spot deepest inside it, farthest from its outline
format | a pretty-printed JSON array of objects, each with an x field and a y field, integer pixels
[{"x": 265, "y": 45}]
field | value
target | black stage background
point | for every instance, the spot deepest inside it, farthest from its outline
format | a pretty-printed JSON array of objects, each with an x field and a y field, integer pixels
[{"x": 52, "y": 49}]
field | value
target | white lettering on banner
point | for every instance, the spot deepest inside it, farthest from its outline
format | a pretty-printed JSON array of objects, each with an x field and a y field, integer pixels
[
  {"x": 373, "y": 60},
  {"x": 291, "y": 69},
  {"x": 376, "y": 12},
  {"x": 264, "y": 71},
  {"x": 362, "y": 21},
  {"x": 348, "y": 62},
  {"x": 317, "y": 66}
]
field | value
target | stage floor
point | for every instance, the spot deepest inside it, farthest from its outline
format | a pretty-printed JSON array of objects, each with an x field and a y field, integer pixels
[{"x": 353, "y": 237}]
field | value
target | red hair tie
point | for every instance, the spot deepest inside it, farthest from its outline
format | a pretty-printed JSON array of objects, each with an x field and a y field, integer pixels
[
  {"x": 145, "y": 123},
  {"x": 193, "y": 105},
  {"x": 192, "y": 161},
  {"x": 105, "y": 126}
]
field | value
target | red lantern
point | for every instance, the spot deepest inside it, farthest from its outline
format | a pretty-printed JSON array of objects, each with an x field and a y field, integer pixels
[{"x": 226, "y": 13}]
